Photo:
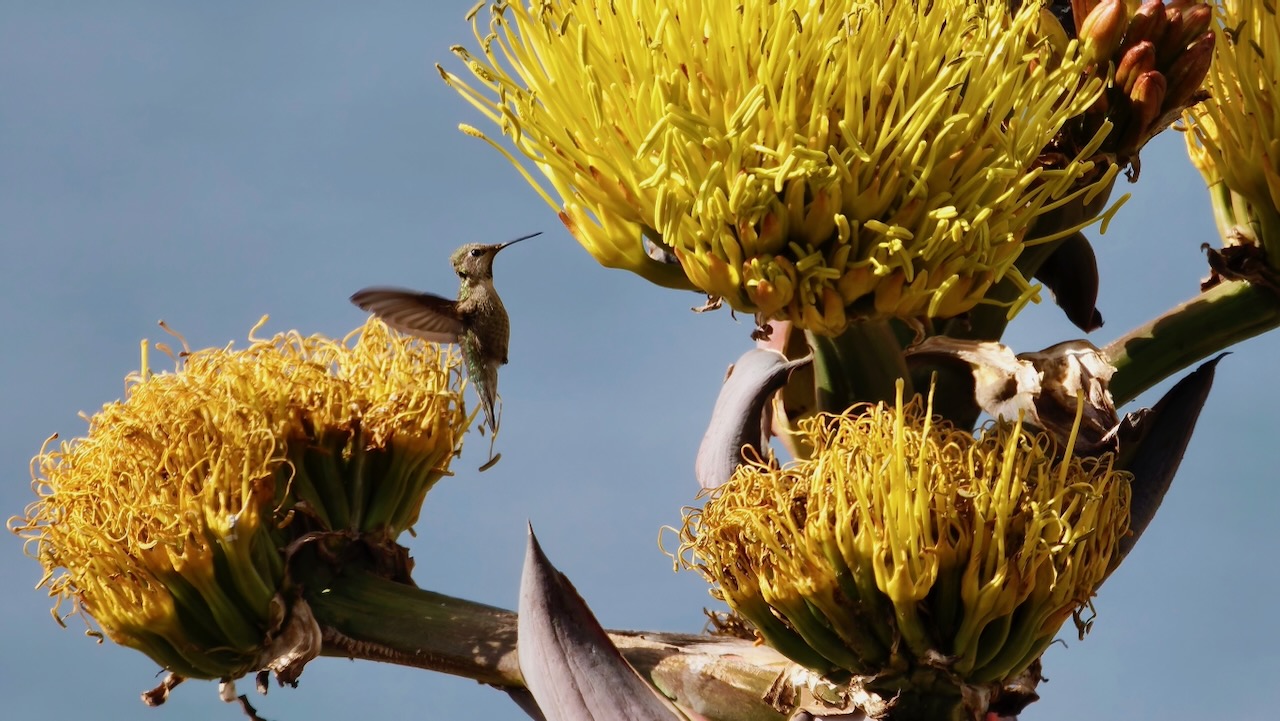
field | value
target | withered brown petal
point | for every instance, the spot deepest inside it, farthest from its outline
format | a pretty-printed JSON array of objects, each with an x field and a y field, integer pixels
[
  {"x": 1004, "y": 385},
  {"x": 1042, "y": 387},
  {"x": 1151, "y": 443},
  {"x": 1068, "y": 371}
]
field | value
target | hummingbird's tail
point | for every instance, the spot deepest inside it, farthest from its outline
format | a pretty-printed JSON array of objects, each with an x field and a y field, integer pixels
[{"x": 492, "y": 418}]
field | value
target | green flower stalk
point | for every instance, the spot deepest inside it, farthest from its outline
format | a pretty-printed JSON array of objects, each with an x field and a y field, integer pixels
[
  {"x": 1235, "y": 138},
  {"x": 799, "y": 162},
  {"x": 906, "y": 545},
  {"x": 171, "y": 523}
]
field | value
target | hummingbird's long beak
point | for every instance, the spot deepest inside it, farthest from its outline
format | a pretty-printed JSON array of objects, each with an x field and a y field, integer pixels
[{"x": 517, "y": 240}]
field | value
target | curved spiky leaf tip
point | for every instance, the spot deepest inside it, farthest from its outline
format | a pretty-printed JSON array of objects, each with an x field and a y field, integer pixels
[
  {"x": 905, "y": 543},
  {"x": 800, "y": 162},
  {"x": 168, "y": 522}
]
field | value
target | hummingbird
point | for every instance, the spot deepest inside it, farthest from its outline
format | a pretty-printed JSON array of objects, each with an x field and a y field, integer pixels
[{"x": 477, "y": 320}]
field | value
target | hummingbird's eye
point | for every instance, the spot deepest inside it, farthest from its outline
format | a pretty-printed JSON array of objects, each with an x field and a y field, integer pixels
[{"x": 476, "y": 253}]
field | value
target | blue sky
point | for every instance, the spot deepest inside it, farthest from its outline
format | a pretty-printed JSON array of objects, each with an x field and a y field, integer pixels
[{"x": 208, "y": 163}]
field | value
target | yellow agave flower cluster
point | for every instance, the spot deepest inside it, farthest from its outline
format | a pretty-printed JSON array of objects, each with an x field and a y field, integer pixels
[
  {"x": 905, "y": 542},
  {"x": 805, "y": 161},
  {"x": 167, "y": 522},
  {"x": 1235, "y": 138}
]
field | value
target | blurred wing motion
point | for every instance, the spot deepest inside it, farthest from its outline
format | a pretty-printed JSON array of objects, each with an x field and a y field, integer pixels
[{"x": 424, "y": 315}]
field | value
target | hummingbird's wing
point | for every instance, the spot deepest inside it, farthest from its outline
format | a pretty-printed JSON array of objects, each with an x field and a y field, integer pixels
[{"x": 424, "y": 315}]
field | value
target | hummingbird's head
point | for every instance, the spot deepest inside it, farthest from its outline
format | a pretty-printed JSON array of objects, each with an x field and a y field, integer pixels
[{"x": 474, "y": 261}]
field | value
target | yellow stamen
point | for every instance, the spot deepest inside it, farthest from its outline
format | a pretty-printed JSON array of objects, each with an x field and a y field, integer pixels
[
  {"x": 167, "y": 521},
  {"x": 976, "y": 549},
  {"x": 739, "y": 132}
]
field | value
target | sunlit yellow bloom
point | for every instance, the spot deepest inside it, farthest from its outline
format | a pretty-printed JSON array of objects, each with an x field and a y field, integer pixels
[
  {"x": 168, "y": 522},
  {"x": 1236, "y": 133},
  {"x": 799, "y": 161},
  {"x": 904, "y": 542}
]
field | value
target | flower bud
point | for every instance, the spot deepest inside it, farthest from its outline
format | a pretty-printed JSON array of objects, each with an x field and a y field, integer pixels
[
  {"x": 1136, "y": 61},
  {"x": 1148, "y": 97},
  {"x": 1145, "y": 103},
  {"x": 1188, "y": 72},
  {"x": 1172, "y": 43},
  {"x": 1103, "y": 30},
  {"x": 1080, "y": 10},
  {"x": 1147, "y": 24},
  {"x": 1195, "y": 22}
]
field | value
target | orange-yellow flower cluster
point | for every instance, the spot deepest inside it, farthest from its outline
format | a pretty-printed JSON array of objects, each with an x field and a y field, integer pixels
[{"x": 168, "y": 522}]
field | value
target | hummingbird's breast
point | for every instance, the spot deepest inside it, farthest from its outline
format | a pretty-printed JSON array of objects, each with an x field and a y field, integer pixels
[{"x": 487, "y": 320}]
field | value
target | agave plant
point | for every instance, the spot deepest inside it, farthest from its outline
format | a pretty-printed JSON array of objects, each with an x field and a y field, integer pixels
[{"x": 897, "y": 513}]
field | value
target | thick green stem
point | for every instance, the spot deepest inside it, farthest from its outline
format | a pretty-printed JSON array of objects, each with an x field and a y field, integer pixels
[
  {"x": 1268, "y": 223},
  {"x": 365, "y": 616},
  {"x": 1223, "y": 211},
  {"x": 371, "y": 618},
  {"x": 1234, "y": 213},
  {"x": 863, "y": 364},
  {"x": 1216, "y": 319}
]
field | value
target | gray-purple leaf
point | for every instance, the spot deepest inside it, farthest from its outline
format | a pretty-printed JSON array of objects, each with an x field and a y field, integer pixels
[
  {"x": 740, "y": 418},
  {"x": 526, "y": 702},
  {"x": 569, "y": 664},
  {"x": 1071, "y": 274},
  {"x": 1151, "y": 443}
]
